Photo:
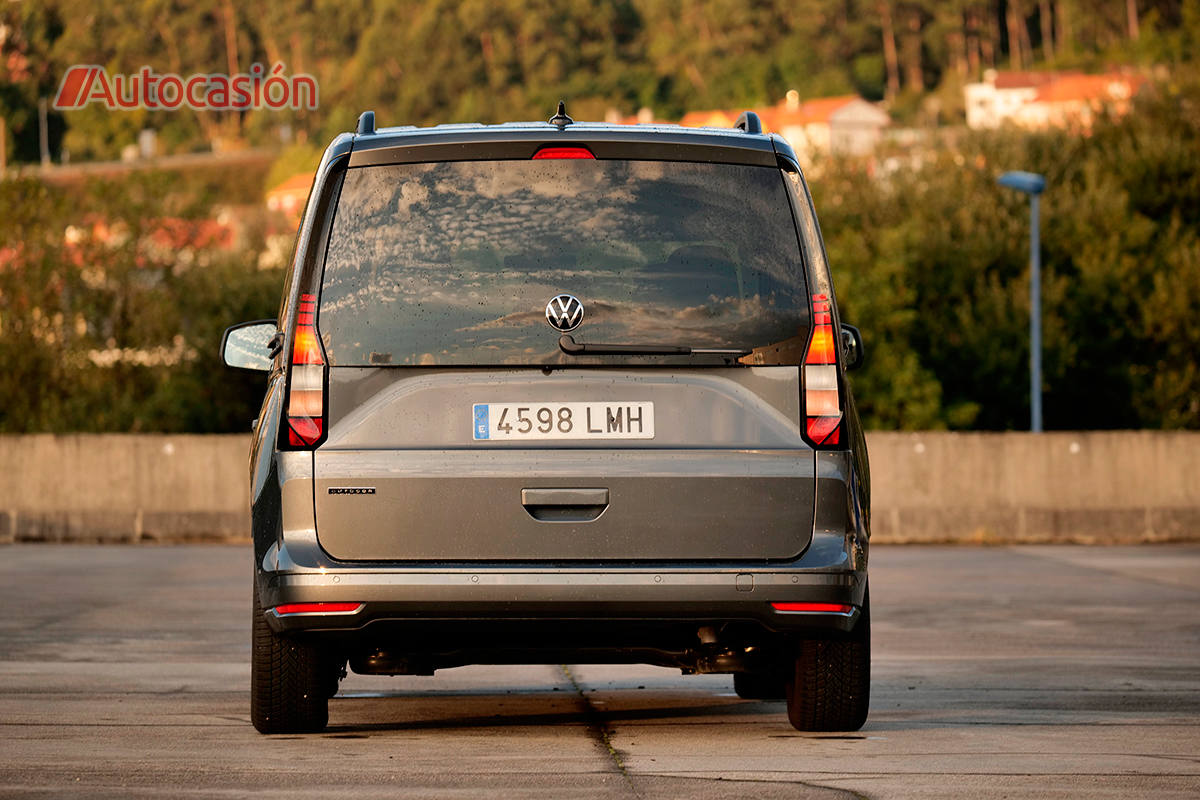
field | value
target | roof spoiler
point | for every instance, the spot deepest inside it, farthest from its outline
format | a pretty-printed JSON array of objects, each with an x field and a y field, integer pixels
[{"x": 749, "y": 122}]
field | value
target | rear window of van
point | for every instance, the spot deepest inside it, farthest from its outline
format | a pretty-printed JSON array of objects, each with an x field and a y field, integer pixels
[{"x": 453, "y": 263}]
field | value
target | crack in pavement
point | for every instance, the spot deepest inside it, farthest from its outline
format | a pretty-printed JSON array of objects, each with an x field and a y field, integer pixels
[
  {"x": 597, "y": 722},
  {"x": 598, "y": 728}
]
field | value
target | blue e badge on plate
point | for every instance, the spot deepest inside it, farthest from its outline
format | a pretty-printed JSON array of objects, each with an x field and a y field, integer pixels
[{"x": 481, "y": 421}]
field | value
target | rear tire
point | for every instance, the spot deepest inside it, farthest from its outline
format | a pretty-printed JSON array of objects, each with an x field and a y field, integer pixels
[
  {"x": 760, "y": 685},
  {"x": 830, "y": 688},
  {"x": 289, "y": 681}
]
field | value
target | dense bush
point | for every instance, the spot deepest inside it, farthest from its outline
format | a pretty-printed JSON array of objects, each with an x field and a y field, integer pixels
[
  {"x": 933, "y": 264},
  {"x": 103, "y": 327}
]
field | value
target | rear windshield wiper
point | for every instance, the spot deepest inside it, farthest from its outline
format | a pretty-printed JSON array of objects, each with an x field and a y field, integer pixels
[{"x": 568, "y": 345}]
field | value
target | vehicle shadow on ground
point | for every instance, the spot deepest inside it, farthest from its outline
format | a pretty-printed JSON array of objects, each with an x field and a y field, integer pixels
[{"x": 411, "y": 712}]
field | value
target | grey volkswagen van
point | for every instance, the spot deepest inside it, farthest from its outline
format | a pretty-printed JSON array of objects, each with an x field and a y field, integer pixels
[{"x": 558, "y": 393}]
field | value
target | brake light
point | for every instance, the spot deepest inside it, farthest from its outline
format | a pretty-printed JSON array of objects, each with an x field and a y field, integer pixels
[
  {"x": 820, "y": 608},
  {"x": 822, "y": 398},
  {"x": 306, "y": 397},
  {"x": 564, "y": 152},
  {"x": 318, "y": 608}
]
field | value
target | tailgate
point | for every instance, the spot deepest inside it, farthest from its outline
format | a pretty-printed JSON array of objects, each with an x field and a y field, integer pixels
[{"x": 657, "y": 465}]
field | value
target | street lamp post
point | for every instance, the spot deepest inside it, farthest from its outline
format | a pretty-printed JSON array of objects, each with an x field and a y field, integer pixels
[{"x": 1033, "y": 185}]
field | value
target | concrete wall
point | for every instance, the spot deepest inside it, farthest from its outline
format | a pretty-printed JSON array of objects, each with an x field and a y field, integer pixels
[
  {"x": 1124, "y": 486},
  {"x": 928, "y": 487},
  {"x": 124, "y": 487}
]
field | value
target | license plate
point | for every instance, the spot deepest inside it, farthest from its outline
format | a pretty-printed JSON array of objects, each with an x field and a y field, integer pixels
[{"x": 529, "y": 421}]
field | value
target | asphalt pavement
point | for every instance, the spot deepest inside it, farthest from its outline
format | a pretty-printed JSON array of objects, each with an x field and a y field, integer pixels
[{"x": 998, "y": 672}]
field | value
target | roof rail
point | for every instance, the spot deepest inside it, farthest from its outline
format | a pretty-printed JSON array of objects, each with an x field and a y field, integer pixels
[
  {"x": 749, "y": 122},
  {"x": 366, "y": 123}
]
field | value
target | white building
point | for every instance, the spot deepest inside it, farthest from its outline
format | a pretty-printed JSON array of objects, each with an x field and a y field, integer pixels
[
  {"x": 847, "y": 125},
  {"x": 1036, "y": 100}
]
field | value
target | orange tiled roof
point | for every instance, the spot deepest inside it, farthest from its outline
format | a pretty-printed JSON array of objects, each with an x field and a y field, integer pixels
[
  {"x": 774, "y": 118},
  {"x": 821, "y": 109},
  {"x": 1024, "y": 80},
  {"x": 777, "y": 117},
  {"x": 296, "y": 183},
  {"x": 1087, "y": 87},
  {"x": 289, "y": 196},
  {"x": 709, "y": 119}
]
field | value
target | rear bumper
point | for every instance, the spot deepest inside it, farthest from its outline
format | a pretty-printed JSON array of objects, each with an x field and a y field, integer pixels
[
  {"x": 701, "y": 597},
  {"x": 710, "y": 594}
]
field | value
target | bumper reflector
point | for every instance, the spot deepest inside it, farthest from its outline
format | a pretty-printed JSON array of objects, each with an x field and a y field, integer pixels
[
  {"x": 317, "y": 608},
  {"x": 820, "y": 608}
]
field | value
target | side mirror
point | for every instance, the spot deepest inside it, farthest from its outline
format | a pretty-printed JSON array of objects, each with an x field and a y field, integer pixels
[
  {"x": 251, "y": 345},
  {"x": 852, "y": 347}
]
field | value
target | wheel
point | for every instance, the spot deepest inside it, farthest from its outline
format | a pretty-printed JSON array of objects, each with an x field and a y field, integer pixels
[
  {"x": 830, "y": 687},
  {"x": 289, "y": 681},
  {"x": 760, "y": 685}
]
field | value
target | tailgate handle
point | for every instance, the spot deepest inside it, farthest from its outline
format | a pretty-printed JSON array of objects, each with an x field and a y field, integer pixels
[{"x": 564, "y": 505}]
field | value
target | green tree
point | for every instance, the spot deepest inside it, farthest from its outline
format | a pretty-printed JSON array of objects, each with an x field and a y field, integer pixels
[{"x": 106, "y": 327}]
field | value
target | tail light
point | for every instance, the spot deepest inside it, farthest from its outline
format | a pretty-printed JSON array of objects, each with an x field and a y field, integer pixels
[
  {"x": 564, "y": 152},
  {"x": 822, "y": 397},
  {"x": 306, "y": 394}
]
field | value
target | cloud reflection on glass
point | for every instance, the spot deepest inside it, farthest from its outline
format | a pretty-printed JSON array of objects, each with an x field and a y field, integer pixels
[{"x": 453, "y": 263}]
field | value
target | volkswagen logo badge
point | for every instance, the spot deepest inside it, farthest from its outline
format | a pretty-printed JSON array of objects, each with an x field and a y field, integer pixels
[{"x": 564, "y": 312}]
